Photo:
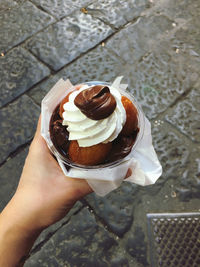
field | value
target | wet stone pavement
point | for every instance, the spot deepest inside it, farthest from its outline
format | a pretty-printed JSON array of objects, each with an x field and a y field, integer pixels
[{"x": 154, "y": 44}]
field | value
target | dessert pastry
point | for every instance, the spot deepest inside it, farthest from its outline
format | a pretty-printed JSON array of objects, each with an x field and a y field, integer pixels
[
  {"x": 91, "y": 155},
  {"x": 131, "y": 123},
  {"x": 94, "y": 125}
]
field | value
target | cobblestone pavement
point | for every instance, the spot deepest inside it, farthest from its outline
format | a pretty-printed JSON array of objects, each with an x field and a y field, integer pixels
[{"x": 154, "y": 44}]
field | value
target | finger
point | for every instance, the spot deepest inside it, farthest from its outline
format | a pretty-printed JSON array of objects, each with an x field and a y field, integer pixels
[
  {"x": 38, "y": 140},
  {"x": 38, "y": 130}
]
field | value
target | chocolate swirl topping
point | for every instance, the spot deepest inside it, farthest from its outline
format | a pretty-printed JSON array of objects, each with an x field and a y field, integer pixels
[{"x": 96, "y": 102}]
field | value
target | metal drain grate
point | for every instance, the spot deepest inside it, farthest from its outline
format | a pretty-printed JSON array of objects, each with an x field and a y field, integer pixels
[{"x": 174, "y": 239}]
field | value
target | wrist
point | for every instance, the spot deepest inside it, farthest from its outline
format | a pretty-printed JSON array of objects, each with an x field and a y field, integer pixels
[
  {"x": 16, "y": 237},
  {"x": 13, "y": 231},
  {"x": 15, "y": 217}
]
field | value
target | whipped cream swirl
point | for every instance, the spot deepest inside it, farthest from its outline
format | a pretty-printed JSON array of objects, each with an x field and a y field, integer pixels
[{"x": 90, "y": 132}]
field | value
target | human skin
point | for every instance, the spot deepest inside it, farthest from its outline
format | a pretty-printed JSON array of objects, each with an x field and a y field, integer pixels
[{"x": 44, "y": 196}]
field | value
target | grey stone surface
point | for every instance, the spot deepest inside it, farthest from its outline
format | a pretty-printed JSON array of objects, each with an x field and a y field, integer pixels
[
  {"x": 17, "y": 123},
  {"x": 185, "y": 43},
  {"x": 159, "y": 79},
  {"x": 98, "y": 64},
  {"x": 20, "y": 2},
  {"x": 137, "y": 246},
  {"x": 81, "y": 242},
  {"x": 61, "y": 8},
  {"x": 6, "y": 5},
  {"x": 163, "y": 201},
  {"x": 19, "y": 70},
  {"x": 50, "y": 231},
  {"x": 186, "y": 115},
  {"x": 62, "y": 42},
  {"x": 114, "y": 209},
  {"x": 189, "y": 187},
  {"x": 20, "y": 23},
  {"x": 177, "y": 190},
  {"x": 172, "y": 152},
  {"x": 155, "y": 45},
  {"x": 185, "y": 37},
  {"x": 9, "y": 177},
  {"x": 117, "y": 12},
  {"x": 39, "y": 91},
  {"x": 134, "y": 41},
  {"x": 179, "y": 10},
  {"x": 180, "y": 161}
]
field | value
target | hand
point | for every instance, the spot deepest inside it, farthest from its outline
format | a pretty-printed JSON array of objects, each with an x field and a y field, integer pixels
[
  {"x": 44, "y": 196},
  {"x": 44, "y": 193}
]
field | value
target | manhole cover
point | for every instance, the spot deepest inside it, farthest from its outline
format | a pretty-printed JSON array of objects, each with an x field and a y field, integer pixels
[{"x": 174, "y": 239}]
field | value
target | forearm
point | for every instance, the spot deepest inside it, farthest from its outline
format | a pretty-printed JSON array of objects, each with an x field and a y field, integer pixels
[{"x": 16, "y": 239}]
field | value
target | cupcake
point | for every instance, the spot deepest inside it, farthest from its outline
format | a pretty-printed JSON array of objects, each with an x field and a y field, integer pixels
[{"x": 95, "y": 124}]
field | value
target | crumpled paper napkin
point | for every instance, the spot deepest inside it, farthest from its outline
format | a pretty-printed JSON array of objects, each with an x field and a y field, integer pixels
[{"x": 142, "y": 160}]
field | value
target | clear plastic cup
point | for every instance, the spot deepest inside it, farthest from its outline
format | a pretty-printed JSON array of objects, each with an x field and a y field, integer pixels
[{"x": 141, "y": 125}]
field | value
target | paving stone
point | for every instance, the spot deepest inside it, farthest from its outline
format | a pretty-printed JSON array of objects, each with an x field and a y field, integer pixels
[
  {"x": 61, "y": 8},
  {"x": 178, "y": 184},
  {"x": 20, "y": 23},
  {"x": 40, "y": 90},
  {"x": 62, "y": 42},
  {"x": 179, "y": 9},
  {"x": 9, "y": 177},
  {"x": 159, "y": 79},
  {"x": 98, "y": 64},
  {"x": 186, "y": 40},
  {"x": 119, "y": 256},
  {"x": 115, "y": 209},
  {"x": 6, "y": 5},
  {"x": 19, "y": 70},
  {"x": 165, "y": 200},
  {"x": 117, "y": 12},
  {"x": 189, "y": 187},
  {"x": 123, "y": 262},
  {"x": 186, "y": 116},
  {"x": 50, "y": 231},
  {"x": 180, "y": 161},
  {"x": 173, "y": 153},
  {"x": 21, "y": 1},
  {"x": 17, "y": 123},
  {"x": 135, "y": 40},
  {"x": 81, "y": 242},
  {"x": 137, "y": 247}
]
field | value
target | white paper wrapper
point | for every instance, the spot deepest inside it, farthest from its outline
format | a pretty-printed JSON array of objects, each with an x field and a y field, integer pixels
[{"x": 142, "y": 160}]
